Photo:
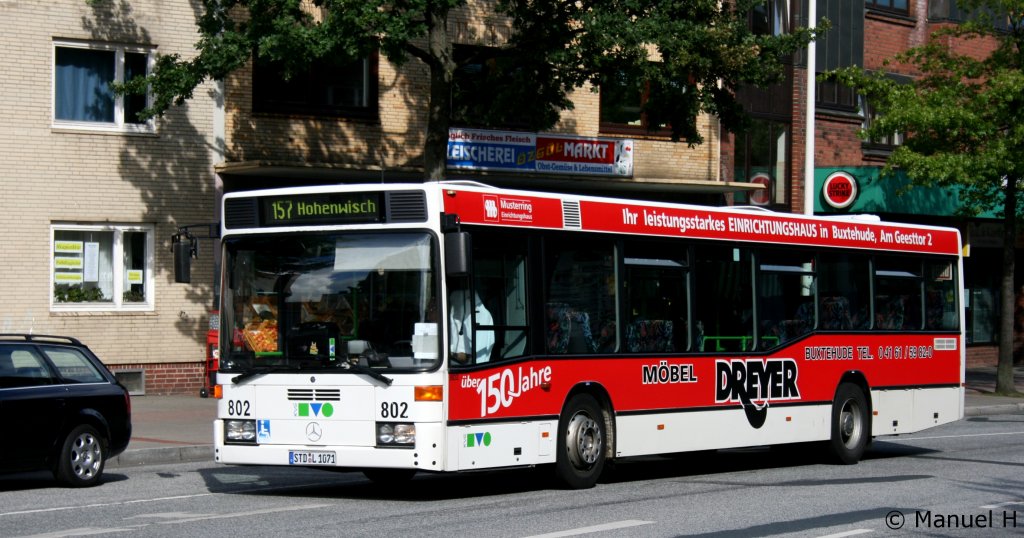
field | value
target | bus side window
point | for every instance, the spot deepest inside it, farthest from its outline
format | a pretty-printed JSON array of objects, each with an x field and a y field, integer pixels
[
  {"x": 581, "y": 309},
  {"x": 500, "y": 282},
  {"x": 899, "y": 292},
  {"x": 843, "y": 291},
  {"x": 656, "y": 297},
  {"x": 786, "y": 288},
  {"x": 723, "y": 298}
]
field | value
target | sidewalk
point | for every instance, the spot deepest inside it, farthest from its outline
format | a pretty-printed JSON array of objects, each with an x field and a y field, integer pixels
[{"x": 168, "y": 429}]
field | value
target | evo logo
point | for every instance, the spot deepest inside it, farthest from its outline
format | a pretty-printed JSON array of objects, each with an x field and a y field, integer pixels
[
  {"x": 753, "y": 383},
  {"x": 312, "y": 410},
  {"x": 477, "y": 439}
]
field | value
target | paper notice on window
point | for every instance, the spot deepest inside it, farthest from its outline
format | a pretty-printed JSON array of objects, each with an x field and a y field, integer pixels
[
  {"x": 92, "y": 262},
  {"x": 135, "y": 276}
]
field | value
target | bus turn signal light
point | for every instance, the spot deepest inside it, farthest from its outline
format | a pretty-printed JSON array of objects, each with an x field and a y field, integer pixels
[{"x": 429, "y": 393}]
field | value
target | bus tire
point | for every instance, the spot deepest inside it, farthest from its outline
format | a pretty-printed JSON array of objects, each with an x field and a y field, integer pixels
[
  {"x": 581, "y": 443},
  {"x": 851, "y": 424}
]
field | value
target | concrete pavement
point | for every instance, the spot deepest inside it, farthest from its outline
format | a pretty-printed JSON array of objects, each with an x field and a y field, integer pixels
[{"x": 168, "y": 429}]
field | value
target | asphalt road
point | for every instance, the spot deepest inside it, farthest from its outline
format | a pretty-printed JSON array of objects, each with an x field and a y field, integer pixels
[{"x": 934, "y": 483}]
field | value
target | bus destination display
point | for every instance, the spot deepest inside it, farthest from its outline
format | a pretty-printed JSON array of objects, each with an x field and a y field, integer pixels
[{"x": 321, "y": 208}]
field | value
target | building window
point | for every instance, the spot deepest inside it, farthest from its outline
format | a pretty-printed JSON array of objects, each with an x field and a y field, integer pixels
[
  {"x": 761, "y": 157},
  {"x": 884, "y": 143},
  {"x": 624, "y": 97},
  {"x": 481, "y": 73},
  {"x": 947, "y": 10},
  {"x": 328, "y": 87},
  {"x": 103, "y": 267},
  {"x": 842, "y": 46},
  {"x": 898, "y": 6},
  {"x": 82, "y": 93},
  {"x": 770, "y": 18}
]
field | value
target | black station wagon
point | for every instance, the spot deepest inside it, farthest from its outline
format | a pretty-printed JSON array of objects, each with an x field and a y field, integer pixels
[{"x": 60, "y": 409}]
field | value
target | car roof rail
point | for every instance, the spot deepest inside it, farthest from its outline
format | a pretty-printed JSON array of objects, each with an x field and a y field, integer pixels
[{"x": 40, "y": 338}]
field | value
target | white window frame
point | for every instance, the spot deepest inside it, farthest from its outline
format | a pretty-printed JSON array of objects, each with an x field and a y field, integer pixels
[
  {"x": 118, "y": 125},
  {"x": 117, "y": 303}
]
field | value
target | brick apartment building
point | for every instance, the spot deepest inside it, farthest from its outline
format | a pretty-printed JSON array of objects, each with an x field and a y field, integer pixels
[
  {"x": 89, "y": 196},
  {"x": 865, "y": 33}
]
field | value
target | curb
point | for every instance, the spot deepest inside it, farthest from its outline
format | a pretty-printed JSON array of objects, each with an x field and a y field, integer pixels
[
  {"x": 1000, "y": 409},
  {"x": 151, "y": 456}
]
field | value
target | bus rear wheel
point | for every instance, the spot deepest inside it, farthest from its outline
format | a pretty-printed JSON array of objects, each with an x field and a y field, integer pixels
[
  {"x": 851, "y": 425},
  {"x": 581, "y": 443}
]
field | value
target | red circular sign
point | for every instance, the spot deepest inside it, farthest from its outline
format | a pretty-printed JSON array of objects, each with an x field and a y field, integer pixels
[
  {"x": 761, "y": 196},
  {"x": 840, "y": 190}
]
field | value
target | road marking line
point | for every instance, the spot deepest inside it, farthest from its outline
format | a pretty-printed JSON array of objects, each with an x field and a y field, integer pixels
[
  {"x": 243, "y": 514},
  {"x": 1000, "y": 505},
  {"x": 854, "y": 532},
  {"x": 81, "y": 531},
  {"x": 101, "y": 505},
  {"x": 596, "y": 528},
  {"x": 158, "y": 499}
]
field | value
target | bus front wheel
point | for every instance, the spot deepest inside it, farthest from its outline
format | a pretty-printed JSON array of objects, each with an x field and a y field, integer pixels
[
  {"x": 851, "y": 426},
  {"x": 581, "y": 443}
]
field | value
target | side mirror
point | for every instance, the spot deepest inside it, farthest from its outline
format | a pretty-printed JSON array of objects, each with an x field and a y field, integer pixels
[
  {"x": 456, "y": 253},
  {"x": 183, "y": 250}
]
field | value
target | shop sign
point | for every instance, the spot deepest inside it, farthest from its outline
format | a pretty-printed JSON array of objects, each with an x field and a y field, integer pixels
[
  {"x": 761, "y": 196},
  {"x": 839, "y": 190},
  {"x": 513, "y": 151}
]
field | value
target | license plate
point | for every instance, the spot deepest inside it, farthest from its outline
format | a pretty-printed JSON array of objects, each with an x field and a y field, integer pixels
[{"x": 311, "y": 457}]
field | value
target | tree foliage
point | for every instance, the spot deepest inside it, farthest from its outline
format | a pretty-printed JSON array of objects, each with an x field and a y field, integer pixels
[
  {"x": 963, "y": 118},
  {"x": 694, "y": 52}
]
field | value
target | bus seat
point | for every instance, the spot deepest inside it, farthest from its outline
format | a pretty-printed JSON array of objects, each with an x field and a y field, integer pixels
[
  {"x": 649, "y": 336},
  {"x": 581, "y": 338},
  {"x": 892, "y": 316},
  {"x": 835, "y": 314},
  {"x": 558, "y": 328}
]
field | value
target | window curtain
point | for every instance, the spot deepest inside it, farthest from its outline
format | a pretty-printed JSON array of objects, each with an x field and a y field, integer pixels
[{"x": 83, "y": 79}]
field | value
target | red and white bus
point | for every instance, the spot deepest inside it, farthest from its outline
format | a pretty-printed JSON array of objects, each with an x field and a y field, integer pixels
[{"x": 453, "y": 326}]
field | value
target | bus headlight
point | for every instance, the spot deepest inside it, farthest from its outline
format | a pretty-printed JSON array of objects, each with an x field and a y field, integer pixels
[
  {"x": 392, "y": 434},
  {"x": 240, "y": 431}
]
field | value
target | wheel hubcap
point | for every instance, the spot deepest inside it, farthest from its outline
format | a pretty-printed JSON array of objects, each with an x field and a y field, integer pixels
[
  {"x": 583, "y": 441},
  {"x": 86, "y": 456},
  {"x": 849, "y": 423}
]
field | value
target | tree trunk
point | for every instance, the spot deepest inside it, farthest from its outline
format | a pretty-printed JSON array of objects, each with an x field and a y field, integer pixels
[
  {"x": 1007, "y": 301},
  {"x": 442, "y": 69}
]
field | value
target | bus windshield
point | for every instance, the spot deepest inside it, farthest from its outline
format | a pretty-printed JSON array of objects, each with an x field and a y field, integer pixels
[{"x": 324, "y": 301}]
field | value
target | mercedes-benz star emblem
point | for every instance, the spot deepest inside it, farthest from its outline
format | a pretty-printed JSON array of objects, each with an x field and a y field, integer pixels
[{"x": 314, "y": 432}]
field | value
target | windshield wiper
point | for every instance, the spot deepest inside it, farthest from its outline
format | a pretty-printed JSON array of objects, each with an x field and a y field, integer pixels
[
  {"x": 360, "y": 369},
  {"x": 263, "y": 370}
]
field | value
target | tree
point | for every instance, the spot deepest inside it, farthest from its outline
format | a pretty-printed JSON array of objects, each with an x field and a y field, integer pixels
[
  {"x": 964, "y": 123},
  {"x": 705, "y": 46}
]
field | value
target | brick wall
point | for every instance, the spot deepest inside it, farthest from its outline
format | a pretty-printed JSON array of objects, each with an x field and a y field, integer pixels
[
  {"x": 982, "y": 356},
  {"x": 395, "y": 142},
  {"x": 181, "y": 378},
  {"x": 51, "y": 175}
]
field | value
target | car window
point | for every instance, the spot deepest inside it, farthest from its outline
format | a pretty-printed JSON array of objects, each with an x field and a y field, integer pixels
[
  {"x": 23, "y": 367},
  {"x": 74, "y": 366}
]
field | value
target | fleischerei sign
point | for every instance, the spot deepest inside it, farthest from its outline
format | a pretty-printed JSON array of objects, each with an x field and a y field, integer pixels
[{"x": 512, "y": 151}]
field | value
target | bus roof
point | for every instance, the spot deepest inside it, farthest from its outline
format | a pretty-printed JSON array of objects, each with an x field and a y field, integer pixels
[{"x": 476, "y": 203}]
